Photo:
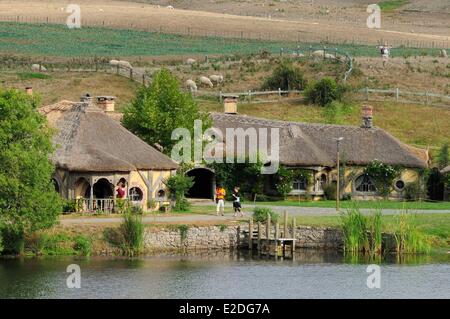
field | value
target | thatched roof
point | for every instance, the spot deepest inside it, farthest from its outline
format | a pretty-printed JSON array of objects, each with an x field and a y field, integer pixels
[
  {"x": 89, "y": 140},
  {"x": 304, "y": 144},
  {"x": 446, "y": 170}
]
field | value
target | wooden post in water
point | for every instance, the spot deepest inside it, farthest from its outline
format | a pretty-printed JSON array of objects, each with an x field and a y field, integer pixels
[
  {"x": 268, "y": 227},
  {"x": 293, "y": 236},
  {"x": 285, "y": 230},
  {"x": 250, "y": 234}
]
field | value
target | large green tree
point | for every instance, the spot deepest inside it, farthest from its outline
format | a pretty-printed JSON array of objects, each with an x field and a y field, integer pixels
[
  {"x": 159, "y": 109},
  {"x": 28, "y": 201}
]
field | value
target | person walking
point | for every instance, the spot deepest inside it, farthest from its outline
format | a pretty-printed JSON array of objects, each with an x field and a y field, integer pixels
[
  {"x": 220, "y": 199},
  {"x": 237, "y": 202},
  {"x": 384, "y": 51}
]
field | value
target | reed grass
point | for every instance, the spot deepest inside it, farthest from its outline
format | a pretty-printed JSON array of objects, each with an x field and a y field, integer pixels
[
  {"x": 354, "y": 226},
  {"x": 408, "y": 238},
  {"x": 132, "y": 231},
  {"x": 376, "y": 236}
]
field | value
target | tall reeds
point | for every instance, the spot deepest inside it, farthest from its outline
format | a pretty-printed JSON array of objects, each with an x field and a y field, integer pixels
[
  {"x": 354, "y": 227},
  {"x": 132, "y": 233},
  {"x": 408, "y": 238}
]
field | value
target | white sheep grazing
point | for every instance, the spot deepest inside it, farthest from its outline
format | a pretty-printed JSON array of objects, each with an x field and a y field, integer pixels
[
  {"x": 113, "y": 62},
  {"x": 206, "y": 81},
  {"x": 191, "y": 85},
  {"x": 170, "y": 7},
  {"x": 37, "y": 67},
  {"x": 216, "y": 78},
  {"x": 125, "y": 64},
  {"x": 190, "y": 61}
]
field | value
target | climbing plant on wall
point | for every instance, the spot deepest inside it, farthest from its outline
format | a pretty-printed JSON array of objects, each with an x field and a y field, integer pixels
[{"x": 383, "y": 176}]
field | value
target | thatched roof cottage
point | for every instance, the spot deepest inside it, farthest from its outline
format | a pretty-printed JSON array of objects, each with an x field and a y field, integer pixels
[
  {"x": 95, "y": 154},
  {"x": 313, "y": 147}
]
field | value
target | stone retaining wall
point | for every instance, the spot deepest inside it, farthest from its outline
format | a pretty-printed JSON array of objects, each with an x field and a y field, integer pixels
[{"x": 230, "y": 237}]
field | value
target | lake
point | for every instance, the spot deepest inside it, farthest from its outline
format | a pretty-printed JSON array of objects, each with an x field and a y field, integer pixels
[{"x": 226, "y": 275}]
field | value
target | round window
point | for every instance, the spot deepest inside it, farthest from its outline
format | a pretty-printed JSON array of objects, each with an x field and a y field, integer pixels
[
  {"x": 400, "y": 185},
  {"x": 136, "y": 194}
]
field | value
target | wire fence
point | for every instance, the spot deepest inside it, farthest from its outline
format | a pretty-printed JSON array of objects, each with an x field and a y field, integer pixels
[{"x": 312, "y": 35}]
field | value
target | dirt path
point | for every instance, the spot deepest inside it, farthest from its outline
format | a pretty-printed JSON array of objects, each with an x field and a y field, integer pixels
[
  {"x": 212, "y": 218},
  {"x": 149, "y": 17}
]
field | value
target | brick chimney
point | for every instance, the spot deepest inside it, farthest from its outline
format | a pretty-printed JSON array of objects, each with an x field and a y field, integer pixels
[
  {"x": 106, "y": 103},
  {"x": 230, "y": 104},
  {"x": 29, "y": 90},
  {"x": 367, "y": 116},
  {"x": 87, "y": 98}
]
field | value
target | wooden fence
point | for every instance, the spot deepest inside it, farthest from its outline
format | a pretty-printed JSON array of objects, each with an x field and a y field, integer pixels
[{"x": 426, "y": 97}]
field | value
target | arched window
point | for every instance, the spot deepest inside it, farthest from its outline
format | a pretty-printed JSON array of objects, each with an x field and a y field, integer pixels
[
  {"x": 161, "y": 194},
  {"x": 365, "y": 184},
  {"x": 399, "y": 185},
  {"x": 136, "y": 194},
  {"x": 300, "y": 184}
]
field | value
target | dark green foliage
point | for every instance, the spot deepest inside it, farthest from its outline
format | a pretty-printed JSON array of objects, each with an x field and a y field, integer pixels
[
  {"x": 245, "y": 175},
  {"x": 383, "y": 176},
  {"x": 178, "y": 186},
  {"x": 83, "y": 245},
  {"x": 286, "y": 76},
  {"x": 283, "y": 181},
  {"x": 28, "y": 201},
  {"x": 330, "y": 191},
  {"x": 183, "y": 229},
  {"x": 324, "y": 92},
  {"x": 31, "y": 75},
  {"x": 161, "y": 108},
  {"x": 336, "y": 112},
  {"x": 260, "y": 214}
]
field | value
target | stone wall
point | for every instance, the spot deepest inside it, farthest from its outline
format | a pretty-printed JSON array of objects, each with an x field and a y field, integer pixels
[
  {"x": 196, "y": 238},
  {"x": 231, "y": 237}
]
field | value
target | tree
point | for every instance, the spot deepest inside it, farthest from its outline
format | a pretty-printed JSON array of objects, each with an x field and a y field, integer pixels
[
  {"x": 443, "y": 157},
  {"x": 286, "y": 76},
  {"x": 28, "y": 201},
  {"x": 324, "y": 92},
  {"x": 159, "y": 109}
]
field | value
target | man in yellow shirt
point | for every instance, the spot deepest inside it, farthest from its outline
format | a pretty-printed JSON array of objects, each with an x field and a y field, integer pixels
[{"x": 220, "y": 199}]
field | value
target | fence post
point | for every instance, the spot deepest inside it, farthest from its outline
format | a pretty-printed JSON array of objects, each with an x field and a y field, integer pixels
[
  {"x": 285, "y": 229},
  {"x": 143, "y": 79},
  {"x": 117, "y": 69},
  {"x": 279, "y": 93},
  {"x": 426, "y": 97},
  {"x": 250, "y": 234},
  {"x": 324, "y": 52},
  {"x": 367, "y": 93},
  {"x": 397, "y": 93},
  {"x": 131, "y": 74}
]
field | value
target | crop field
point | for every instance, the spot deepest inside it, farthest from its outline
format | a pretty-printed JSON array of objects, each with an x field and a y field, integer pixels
[{"x": 58, "y": 40}]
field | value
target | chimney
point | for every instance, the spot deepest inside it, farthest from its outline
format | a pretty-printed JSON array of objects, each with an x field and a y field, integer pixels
[
  {"x": 367, "y": 116},
  {"x": 106, "y": 103},
  {"x": 29, "y": 90},
  {"x": 86, "y": 98},
  {"x": 230, "y": 104}
]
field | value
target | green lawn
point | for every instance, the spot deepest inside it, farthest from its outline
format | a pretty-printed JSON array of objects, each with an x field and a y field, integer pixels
[
  {"x": 384, "y": 204},
  {"x": 57, "y": 40}
]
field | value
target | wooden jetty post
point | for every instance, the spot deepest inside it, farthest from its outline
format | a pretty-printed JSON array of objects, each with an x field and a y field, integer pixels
[
  {"x": 285, "y": 231},
  {"x": 259, "y": 237},
  {"x": 293, "y": 236},
  {"x": 268, "y": 227},
  {"x": 277, "y": 233},
  {"x": 250, "y": 234}
]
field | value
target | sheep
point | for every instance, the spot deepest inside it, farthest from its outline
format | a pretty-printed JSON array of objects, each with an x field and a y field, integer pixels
[
  {"x": 38, "y": 67},
  {"x": 216, "y": 78},
  {"x": 170, "y": 7},
  {"x": 443, "y": 53},
  {"x": 190, "y": 61},
  {"x": 191, "y": 85},
  {"x": 206, "y": 81},
  {"x": 124, "y": 64}
]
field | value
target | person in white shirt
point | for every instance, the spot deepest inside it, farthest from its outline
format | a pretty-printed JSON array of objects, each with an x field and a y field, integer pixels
[{"x": 384, "y": 51}]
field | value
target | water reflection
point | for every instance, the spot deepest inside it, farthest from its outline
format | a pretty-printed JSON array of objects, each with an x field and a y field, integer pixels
[{"x": 311, "y": 274}]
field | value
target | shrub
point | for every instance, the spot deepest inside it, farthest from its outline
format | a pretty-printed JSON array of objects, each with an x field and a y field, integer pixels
[
  {"x": 408, "y": 238},
  {"x": 286, "y": 76},
  {"x": 13, "y": 240},
  {"x": 323, "y": 92},
  {"x": 260, "y": 214},
  {"x": 330, "y": 191},
  {"x": 412, "y": 191},
  {"x": 82, "y": 245},
  {"x": 178, "y": 186}
]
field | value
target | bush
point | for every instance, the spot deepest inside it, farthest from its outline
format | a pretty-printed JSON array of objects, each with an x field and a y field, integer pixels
[
  {"x": 13, "y": 240},
  {"x": 323, "y": 92},
  {"x": 330, "y": 191},
  {"x": 178, "y": 186},
  {"x": 286, "y": 77},
  {"x": 82, "y": 245},
  {"x": 260, "y": 214},
  {"x": 411, "y": 191}
]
